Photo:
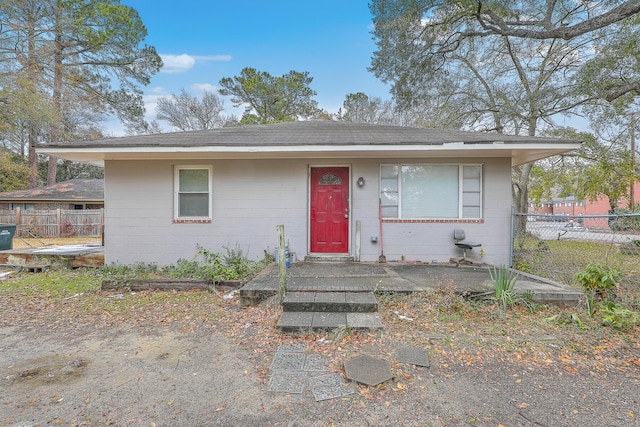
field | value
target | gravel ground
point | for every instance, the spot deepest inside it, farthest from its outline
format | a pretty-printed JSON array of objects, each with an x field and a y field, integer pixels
[
  {"x": 164, "y": 376},
  {"x": 73, "y": 355}
]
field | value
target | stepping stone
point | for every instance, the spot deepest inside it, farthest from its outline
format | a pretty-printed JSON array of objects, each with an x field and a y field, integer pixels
[
  {"x": 315, "y": 363},
  {"x": 287, "y": 382},
  {"x": 329, "y": 386},
  {"x": 292, "y": 348},
  {"x": 287, "y": 361},
  {"x": 412, "y": 355},
  {"x": 368, "y": 370}
]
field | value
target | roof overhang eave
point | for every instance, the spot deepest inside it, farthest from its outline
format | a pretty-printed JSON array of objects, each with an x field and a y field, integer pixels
[{"x": 519, "y": 153}]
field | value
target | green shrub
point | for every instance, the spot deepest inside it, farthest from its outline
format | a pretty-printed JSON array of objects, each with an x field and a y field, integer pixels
[
  {"x": 599, "y": 280},
  {"x": 619, "y": 317},
  {"x": 209, "y": 265},
  {"x": 123, "y": 274},
  {"x": 504, "y": 280}
]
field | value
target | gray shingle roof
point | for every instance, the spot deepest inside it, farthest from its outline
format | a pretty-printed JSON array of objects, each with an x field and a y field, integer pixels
[
  {"x": 72, "y": 190},
  {"x": 308, "y": 133}
]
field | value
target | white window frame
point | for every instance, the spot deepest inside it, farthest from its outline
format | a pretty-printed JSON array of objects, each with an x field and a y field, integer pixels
[
  {"x": 23, "y": 206},
  {"x": 461, "y": 189},
  {"x": 176, "y": 191}
]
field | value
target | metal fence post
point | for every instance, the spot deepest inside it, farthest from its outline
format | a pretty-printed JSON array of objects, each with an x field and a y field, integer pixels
[
  {"x": 513, "y": 237},
  {"x": 282, "y": 264}
]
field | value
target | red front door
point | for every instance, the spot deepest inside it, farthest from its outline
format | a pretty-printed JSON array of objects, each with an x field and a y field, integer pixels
[{"x": 330, "y": 210}]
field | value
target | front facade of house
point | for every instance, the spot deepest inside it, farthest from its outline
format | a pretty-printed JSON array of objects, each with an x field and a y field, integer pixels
[{"x": 338, "y": 189}]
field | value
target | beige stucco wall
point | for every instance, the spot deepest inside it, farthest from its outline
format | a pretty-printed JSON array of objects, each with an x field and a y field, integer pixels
[{"x": 251, "y": 197}]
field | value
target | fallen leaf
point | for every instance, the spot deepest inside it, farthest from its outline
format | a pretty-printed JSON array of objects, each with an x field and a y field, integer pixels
[
  {"x": 570, "y": 370},
  {"x": 219, "y": 408},
  {"x": 523, "y": 405}
]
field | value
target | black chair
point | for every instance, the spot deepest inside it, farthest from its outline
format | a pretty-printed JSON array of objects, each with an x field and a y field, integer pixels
[{"x": 458, "y": 236}]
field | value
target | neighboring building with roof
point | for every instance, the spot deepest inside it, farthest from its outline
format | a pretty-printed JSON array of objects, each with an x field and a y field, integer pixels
[
  {"x": 341, "y": 190},
  {"x": 571, "y": 208},
  {"x": 71, "y": 194}
]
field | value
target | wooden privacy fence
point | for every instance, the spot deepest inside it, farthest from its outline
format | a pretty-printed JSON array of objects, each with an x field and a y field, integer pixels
[{"x": 55, "y": 223}]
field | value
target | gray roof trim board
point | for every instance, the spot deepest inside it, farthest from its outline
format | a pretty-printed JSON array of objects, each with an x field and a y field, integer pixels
[{"x": 312, "y": 139}]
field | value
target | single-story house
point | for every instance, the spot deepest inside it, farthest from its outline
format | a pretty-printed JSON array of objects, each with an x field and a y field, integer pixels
[
  {"x": 71, "y": 194},
  {"x": 339, "y": 189}
]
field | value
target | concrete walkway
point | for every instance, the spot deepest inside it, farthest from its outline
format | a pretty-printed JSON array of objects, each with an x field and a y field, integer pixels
[{"x": 397, "y": 277}]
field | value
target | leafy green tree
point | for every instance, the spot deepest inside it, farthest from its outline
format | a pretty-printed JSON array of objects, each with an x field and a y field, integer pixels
[
  {"x": 25, "y": 107},
  {"x": 609, "y": 167},
  {"x": 15, "y": 174},
  {"x": 85, "y": 52},
  {"x": 270, "y": 98},
  {"x": 604, "y": 166},
  {"x": 22, "y": 56}
]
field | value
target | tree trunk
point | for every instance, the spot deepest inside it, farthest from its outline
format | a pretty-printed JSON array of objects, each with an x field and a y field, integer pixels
[
  {"x": 57, "y": 103},
  {"x": 520, "y": 188},
  {"x": 32, "y": 131},
  {"x": 33, "y": 157},
  {"x": 521, "y": 196}
]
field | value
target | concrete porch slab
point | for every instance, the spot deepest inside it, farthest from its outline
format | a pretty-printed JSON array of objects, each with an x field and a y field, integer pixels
[{"x": 362, "y": 277}]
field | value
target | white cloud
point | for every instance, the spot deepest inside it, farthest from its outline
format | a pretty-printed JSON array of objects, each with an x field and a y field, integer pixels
[
  {"x": 221, "y": 58},
  {"x": 201, "y": 87},
  {"x": 177, "y": 63},
  {"x": 181, "y": 63}
]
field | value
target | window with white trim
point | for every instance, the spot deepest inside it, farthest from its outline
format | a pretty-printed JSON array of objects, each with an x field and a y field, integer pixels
[
  {"x": 192, "y": 192},
  {"x": 431, "y": 191}
]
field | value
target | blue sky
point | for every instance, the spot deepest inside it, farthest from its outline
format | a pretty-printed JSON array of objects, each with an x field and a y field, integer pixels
[{"x": 202, "y": 41}]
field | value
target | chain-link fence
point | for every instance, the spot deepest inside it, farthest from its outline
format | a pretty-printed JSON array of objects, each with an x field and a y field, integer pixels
[{"x": 559, "y": 246}]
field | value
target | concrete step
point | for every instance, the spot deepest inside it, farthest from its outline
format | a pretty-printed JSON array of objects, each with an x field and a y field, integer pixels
[
  {"x": 330, "y": 258},
  {"x": 303, "y": 321},
  {"x": 341, "y": 302}
]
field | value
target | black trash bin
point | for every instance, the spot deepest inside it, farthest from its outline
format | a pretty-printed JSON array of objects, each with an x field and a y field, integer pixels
[{"x": 7, "y": 231}]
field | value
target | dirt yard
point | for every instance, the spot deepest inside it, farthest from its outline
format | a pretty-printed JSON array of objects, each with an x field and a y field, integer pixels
[{"x": 97, "y": 358}]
